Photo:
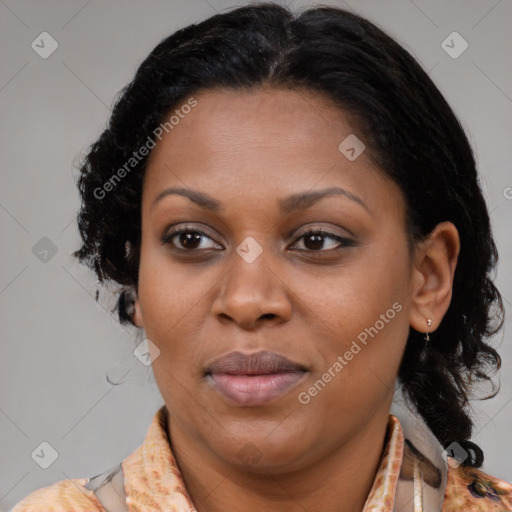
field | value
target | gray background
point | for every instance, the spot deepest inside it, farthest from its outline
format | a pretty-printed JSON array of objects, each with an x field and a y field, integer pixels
[{"x": 57, "y": 342}]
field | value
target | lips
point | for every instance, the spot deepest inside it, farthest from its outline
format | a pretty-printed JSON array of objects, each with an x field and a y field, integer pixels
[
  {"x": 260, "y": 363},
  {"x": 253, "y": 379}
]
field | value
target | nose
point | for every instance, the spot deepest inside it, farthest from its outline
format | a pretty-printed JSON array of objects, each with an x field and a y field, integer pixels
[{"x": 253, "y": 293}]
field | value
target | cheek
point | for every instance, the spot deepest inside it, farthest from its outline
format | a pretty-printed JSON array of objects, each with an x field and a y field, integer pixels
[
  {"x": 361, "y": 315},
  {"x": 174, "y": 300},
  {"x": 168, "y": 292},
  {"x": 354, "y": 298},
  {"x": 360, "y": 354}
]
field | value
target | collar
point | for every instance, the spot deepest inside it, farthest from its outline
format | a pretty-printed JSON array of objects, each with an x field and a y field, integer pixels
[
  {"x": 423, "y": 476},
  {"x": 152, "y": 479}
]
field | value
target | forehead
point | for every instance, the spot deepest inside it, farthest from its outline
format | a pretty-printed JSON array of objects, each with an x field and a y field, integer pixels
[
  {"x": 260, "y": 141},
  {"x": 282, "y": 120}
]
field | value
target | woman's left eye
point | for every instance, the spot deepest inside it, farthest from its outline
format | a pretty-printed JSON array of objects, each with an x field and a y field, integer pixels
[
  {"x": 315, "y": 238},
  {"x": 190, "y": 240}
]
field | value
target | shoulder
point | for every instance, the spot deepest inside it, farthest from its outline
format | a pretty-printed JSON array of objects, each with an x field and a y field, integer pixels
[
  {"x": 470, "y": 488},
  {"x": 61, "y": 496}
]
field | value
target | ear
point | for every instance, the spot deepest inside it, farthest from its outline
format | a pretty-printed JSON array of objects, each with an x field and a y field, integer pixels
[
  {"x": 435, "y": 260},
  {"x": 137, "y": 313}
]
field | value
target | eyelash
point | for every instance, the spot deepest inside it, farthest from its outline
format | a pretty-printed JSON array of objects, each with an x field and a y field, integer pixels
[{"x": 345, "y": 242}]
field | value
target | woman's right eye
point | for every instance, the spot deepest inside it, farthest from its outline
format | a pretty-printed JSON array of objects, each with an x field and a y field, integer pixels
[{"x": 187, "y": 239}]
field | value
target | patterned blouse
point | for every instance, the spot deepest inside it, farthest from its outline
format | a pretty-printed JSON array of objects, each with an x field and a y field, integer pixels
[{"x": 408, "y": 479}]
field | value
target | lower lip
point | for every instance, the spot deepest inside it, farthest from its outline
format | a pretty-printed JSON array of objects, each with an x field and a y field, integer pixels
[{"x": 254, "y": 390}]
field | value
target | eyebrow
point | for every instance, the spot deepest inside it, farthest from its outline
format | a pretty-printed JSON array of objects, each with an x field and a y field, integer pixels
[{"x": 287, "y": 205}]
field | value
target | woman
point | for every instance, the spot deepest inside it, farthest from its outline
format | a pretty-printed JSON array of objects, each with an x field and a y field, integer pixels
[{"x": 291, "y": 209}]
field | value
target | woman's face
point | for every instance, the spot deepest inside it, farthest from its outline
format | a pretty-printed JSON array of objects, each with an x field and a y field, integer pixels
[{"x": 244, "y": 276}]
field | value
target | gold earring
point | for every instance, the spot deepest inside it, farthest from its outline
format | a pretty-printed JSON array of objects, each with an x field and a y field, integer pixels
[{"x": 429, "y": 323}]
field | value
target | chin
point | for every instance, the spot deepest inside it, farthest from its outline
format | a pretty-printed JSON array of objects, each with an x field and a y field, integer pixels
[{"x": 259, "y": 454}]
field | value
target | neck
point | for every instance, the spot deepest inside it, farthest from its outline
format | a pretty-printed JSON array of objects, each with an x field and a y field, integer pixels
[{"x": 340, "y": 480}]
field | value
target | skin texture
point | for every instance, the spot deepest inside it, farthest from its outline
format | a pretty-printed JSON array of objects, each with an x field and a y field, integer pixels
[{"x": 302, "y": 298}]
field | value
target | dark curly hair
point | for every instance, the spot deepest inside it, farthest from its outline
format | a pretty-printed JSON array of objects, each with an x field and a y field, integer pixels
[{"x": 410, "y": 131}]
